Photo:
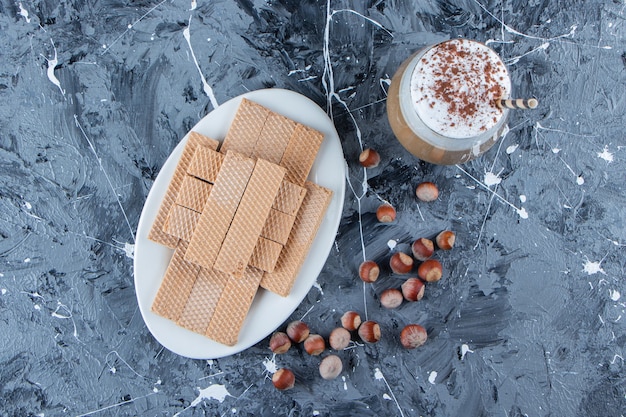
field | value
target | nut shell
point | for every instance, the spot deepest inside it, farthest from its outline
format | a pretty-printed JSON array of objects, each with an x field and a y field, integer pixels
[
  {"x": 422, "y": 249},
  {"x": 391, "y": 298},
  {"x": 280, "y": 342},
  {"x": 413, "y": 289},
  {"x": 283, "y": 379},
  {"x": 369, "y": 271},
  {"x": 351, "y": 320},
  {"x": 339, "y": 338},
  {"x": 386, "y": 213},
  {"x": 298, "y": 331},
  {"x": 412, "y": 336},
  {"x": 401, "y": 263},
  {"x": 427, "y": 191},
  {"x": 369, "y": 331},
  {"x": 314, "y": 344},
  {"x": 369, "y": 158},
  {"x": 330, "y": 367},
  {"x": 430, "y": 270},
  {"x": 445, "y": 240}
]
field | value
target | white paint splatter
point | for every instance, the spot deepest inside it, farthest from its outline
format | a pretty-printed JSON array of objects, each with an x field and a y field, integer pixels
[
  {"x": 212, "y": 392},
  {"x": 511, "y": 149},
  {"x": 52, "y": 63},
  {"x": 491, "y": 179},
  {"x": 24, "y": 13},
  {"x": 592, "y": 268},
  {"x": 129, "y": 250},
  {"x": 387, "y": 397},
  {"x": 432, "y": 377},
  {"x": 270, "y": 365},
  {"x": 3, "y": 291},
  {"x": 580, "y": 180},
  {"x": 614, "y": 294},
  {"x": 319, "y": 287},
  {"x": 556, "y": 150},
  {"x": 27, "y": 260},
  {"x": 392, "y": 244},
  {"x": 464, "y": 350},
  {"x": 37, "y": 307},
  {"x": 207, "y": 88},
  {"x": 522, "y": 198},
  {"x": 379, "y": 376},
  {"x": 522, "y": 213},
  {"x": 606, "y": 155}
]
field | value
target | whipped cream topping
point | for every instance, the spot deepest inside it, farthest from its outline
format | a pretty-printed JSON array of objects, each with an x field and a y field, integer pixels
[{"x": 455, "y": 85}]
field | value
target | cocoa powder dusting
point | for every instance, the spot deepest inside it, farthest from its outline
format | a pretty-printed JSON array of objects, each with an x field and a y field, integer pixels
[{"x": 464, "y": 85}]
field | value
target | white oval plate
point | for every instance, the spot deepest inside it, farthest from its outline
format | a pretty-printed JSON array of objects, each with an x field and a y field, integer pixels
[{"x": 268, "y": 310}]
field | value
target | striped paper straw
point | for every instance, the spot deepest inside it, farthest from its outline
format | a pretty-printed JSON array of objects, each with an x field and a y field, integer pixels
[{"x": 519, "y": 103}]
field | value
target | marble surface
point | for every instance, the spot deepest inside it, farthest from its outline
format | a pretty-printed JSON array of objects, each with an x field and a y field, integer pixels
[{"x": 528, "y": 319}]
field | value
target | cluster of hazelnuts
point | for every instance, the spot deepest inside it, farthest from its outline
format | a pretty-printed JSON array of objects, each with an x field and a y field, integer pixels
[
  {"x": 412, "y": 336},
  {"x": 429, "y": 270}
]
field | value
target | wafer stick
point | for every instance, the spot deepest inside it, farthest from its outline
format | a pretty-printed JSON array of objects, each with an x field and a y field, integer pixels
[
  {"x": 274, "y": 138},
  {"x": 249, "y": 219},
  {"x": 265, "y": 254},
  {"x": 179, "y": 278},
  {"x": 300, "y": 153},
  {"x": 245, "y": 128},
  {"x": 289, "y": 198},
  {"x": 193, "y": 193},
  {"x": 233, "y": 306},
  {"x": 518, "y": 103},
  {"x": 205, "y": 164},
  {"x": 181, "y": 222},
  {"x": 219, "y": 210},
  {"x": 308, "y": 220},
  {"x": 278, "y": 226},
  {"x": 156, "y": 233},
  {"x": 202, "y": 300}
]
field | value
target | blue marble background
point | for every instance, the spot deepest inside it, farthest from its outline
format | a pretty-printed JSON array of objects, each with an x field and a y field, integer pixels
[{"x": 529, "y": 317}]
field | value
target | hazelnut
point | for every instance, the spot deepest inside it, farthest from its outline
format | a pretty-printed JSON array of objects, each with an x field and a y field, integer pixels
[
  {"x": 369, "y": 158},
  {"x": 430, "y": 270},
  {"x": 445, "y": 240},
  {"x": 422, "y": 249},
  {"x": 413, "y": 289},
  {"x": 391, "y": 298},
  {"x": 339, "y": 338},
  {"x": 368, "y": 271},
  {"x": 412, "y": 336},
  {"x": 369, "y": 331},
  {"x": 331, "y": 367},
  {"x": 314, "y": 344},
  {"x": 280, "y": 342},
  {"x": 427, "y": 191},
  {"x": 351, "y": 320},
  {"x": 386, "y": 213},
  {"x": 298, "y": 331},
  {"x": 283, "y": 379},
  {"x": 401, "y": 263}
]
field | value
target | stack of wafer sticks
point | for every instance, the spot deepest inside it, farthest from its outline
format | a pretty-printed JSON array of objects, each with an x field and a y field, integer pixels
[{"x": 239, "y": 216}]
